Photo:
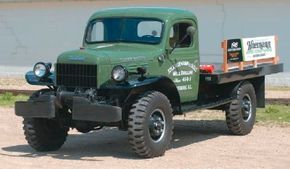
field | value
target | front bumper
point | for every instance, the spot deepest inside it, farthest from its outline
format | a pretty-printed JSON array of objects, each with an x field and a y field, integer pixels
[
  {"x": 43, "y": 107},
  {"x": 82, "y": 109}
]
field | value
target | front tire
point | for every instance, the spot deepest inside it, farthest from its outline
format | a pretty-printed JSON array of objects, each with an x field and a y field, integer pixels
[
  {"x": 241, "y": 113},
  {"x": 44, "y": 134},
  {"x": 150, "y": 125}
]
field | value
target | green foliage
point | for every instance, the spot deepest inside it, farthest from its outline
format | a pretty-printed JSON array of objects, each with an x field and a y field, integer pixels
[
  {"x": 8, "y": 99},
  {"x": 279, "y": 114}
]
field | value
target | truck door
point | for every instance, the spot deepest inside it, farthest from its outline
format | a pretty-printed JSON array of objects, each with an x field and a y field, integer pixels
[{"x": 183, "y": 62}]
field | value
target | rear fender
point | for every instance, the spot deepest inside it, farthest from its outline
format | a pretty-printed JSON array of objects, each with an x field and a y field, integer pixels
[{"x": 259, "y": 86}]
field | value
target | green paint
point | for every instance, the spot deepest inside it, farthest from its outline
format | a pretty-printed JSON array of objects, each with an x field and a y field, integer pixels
[{"x": 182, "y": 66}]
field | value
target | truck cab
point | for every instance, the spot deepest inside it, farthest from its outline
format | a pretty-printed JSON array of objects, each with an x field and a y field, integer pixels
[
  {"x": 136, "y": 69},
  {"x": 142, "y": 38}
]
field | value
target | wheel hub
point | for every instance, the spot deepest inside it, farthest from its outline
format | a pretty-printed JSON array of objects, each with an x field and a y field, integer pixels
[
  {"x": 157, "y": 125},
  {"x": 246, "y": 108}
]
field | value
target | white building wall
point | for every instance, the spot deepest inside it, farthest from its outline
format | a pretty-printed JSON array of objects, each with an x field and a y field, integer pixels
[{"x": 35, "y": 31}]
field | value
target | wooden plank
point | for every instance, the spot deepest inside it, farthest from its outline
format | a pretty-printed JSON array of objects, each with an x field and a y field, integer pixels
[
  {"x": 225, "y": 66},
  {"x": 255, "y": 63},
  {"x": 241, "y": 65}
]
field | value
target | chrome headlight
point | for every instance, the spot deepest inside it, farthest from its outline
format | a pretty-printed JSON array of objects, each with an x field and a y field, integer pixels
[
  {"x": 119, "y": 73},
  {"x": 41, "y": 69}
]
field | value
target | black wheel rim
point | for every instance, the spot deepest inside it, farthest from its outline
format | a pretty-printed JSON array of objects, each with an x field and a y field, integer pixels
[
  {"x": 157, "y": 125},
  {"x": 246, "y": 108}
]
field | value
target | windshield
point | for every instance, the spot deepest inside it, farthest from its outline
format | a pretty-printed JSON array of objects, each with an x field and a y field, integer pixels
[{"x": 136, "y": 30}]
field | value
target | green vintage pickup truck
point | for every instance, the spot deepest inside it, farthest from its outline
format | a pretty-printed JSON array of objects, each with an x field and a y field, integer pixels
[{"x": 137, "y": 68}]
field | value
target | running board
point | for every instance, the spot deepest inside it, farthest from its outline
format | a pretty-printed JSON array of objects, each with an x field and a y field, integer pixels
[{"x": 186, "y": 108}]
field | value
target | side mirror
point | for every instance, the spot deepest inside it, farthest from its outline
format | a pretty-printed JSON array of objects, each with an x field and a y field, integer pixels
[{"x": 190, "y": 30}]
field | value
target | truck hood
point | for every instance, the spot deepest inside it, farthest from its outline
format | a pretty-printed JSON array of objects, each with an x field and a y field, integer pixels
[{"x": 111, "y": 54}]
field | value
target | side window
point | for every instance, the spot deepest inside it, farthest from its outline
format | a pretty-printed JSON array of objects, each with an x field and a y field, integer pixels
[
  {"x": 97, "y": 33},
  {"x": 177, "y": 32}
]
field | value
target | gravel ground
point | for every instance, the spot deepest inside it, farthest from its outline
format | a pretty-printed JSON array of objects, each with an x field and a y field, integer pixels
[{"x": 196, "y": 144}]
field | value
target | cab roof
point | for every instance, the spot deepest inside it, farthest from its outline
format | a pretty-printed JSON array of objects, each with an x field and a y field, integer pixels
[{"x": 147, "y": 12}]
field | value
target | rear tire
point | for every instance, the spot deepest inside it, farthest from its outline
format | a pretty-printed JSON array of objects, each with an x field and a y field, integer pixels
[
  {"x": 44, "y": 134},
  {"x": 150, "y": 125},
  {"x": 241, "y": 113}
]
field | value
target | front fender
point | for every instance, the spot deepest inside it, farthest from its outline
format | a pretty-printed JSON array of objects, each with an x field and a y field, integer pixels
[
  {"x": 34, "y": 80},
  {"x": 138, "y": 86},
  {"x": 131, "y": 83}
]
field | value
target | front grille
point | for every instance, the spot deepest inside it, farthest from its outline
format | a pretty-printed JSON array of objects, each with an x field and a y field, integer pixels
[{"x": 74, "y": 75}]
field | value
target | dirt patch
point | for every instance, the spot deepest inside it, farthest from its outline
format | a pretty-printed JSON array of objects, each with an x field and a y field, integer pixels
[
  {"x": 277, "y": 94},
  {"x": 16, "y": 83},
  {"x": 196, "y": 144}
]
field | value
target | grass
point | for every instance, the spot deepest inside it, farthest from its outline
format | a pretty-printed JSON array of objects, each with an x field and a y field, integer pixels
[
  {"x": 271, "y": 115},
  {"x": 274, "y": 114},
  {"x": 8, "y": 99}
]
